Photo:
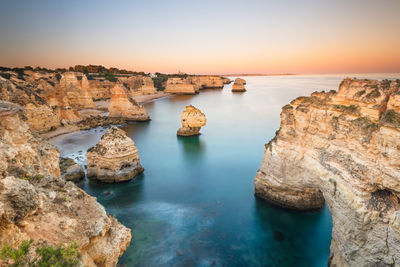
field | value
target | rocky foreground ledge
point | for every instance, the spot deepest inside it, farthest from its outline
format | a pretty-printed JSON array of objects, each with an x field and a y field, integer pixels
[
  {"x": 35, "y": 203},
  {"x": 342, "y": 147}
]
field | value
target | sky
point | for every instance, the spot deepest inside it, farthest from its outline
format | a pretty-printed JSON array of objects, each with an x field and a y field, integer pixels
[{"x": 204, "y": 36}]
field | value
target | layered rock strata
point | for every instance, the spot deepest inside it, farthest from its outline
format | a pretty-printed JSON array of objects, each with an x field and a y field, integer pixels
[
  {"x": 192, "y": 120},
  {"x": 114, "y": 158},
  {"x": 342, "y": 147},
  {"x": 70, "y": 170},
  {"x": 139, "y": 85},
  {"x": 36, "y": 204},
  {"x": 238, "y": 85},
  {"x": 180, "y": 86},
  {"x": 122, "y": 105},
  {"x": 207, "y": 82}
]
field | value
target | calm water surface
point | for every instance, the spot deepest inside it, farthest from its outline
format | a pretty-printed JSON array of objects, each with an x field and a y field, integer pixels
[{"x": 194, "y": 204}]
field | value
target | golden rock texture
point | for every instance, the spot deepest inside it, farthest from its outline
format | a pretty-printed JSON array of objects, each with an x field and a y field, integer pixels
[
  {"x": 114, "y": 158},
  {"x": 342, "y": 147},
  {"x": 192, "y": 120},
  {"x": 180, "y": 86},
  {"x": 238, "y": 85}
]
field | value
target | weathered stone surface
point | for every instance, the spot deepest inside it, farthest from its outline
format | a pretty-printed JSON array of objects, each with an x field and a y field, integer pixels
[
  {"x": 180, "y": 86},
  {"x": 139, "y": 85},
  {"x": 76, "y": 87},
  {"x": 192, "y": 120},
  {"x": 226, "y": 80},
  {"x": 342, "y": 147},
  {"x": 70, "y": 170},
  {"x": 36, "y": 204},
  {"x": 114, "y": 158},
  {"x": 207, "y": 82},
  {"x": 238, "y": 85},
  {"x": 122, "y": 105}
]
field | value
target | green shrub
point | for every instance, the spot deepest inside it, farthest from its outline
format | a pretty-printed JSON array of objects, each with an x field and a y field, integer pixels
[
  {"x": 47, "y": 256},
  {"x": 110, "y": 77},
  {"x": 349, "y": 109}
]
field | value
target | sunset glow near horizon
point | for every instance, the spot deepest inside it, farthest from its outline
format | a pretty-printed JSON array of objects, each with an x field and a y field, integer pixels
[{"x": 249, "y": 36}]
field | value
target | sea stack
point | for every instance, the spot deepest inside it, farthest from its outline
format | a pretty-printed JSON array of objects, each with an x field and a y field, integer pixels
[
  {"x": 238, "y": 85},
  {"x": 114, "y": 158},
  {"x": 342, "y": 147},
  {"x": 192, "y": 120},
  {"x": 123, "y": 106}
]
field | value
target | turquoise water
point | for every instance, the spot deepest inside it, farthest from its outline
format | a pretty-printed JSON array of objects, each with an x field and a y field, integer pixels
[{"x": 194, "y": 204}]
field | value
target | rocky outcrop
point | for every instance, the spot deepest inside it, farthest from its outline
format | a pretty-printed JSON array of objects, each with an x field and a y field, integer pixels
[
  {"x": 77, "y": 89},
  {"x": 207, "y": 82},
  {"x": 139, "y": 85},
  {"x": 342, "y": 147},
  {"x": 226, "y": 80},
  {"x": 36, "y": 204},
  {"x": 238, "y": 85},
  {"x": 114, "y": 158},
  {"x": 70, "y": 170},
  {"x": 180, "y": 86},
  {"x": 100, "y": 88},
  {"x": 122, "y": 105},
  {"x": 192, "y": 120}
]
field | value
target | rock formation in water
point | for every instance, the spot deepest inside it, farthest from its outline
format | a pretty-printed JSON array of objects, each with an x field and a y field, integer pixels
[
  {"x": 238, "y": 85},
  {"x": 114, "y": 158},
  {"x": 342, "y": 147},
  {"x": 207, "y": 82},
  {"x": 180, "y": 86},
  {"x": 70, "y": 170},
  {"x": 122, "y": 105},
  {"x": 226, "y": 80},
  {"x": 35, "y": 203},
  {"x": 192, "y": 120}
]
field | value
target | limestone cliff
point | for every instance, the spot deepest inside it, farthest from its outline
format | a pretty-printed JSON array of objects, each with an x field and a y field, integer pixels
[
  {"x": 207, "y": 82},
  {"x": 122, "y": 105},
  {"x": 192, "y": 120},
  {"x": 76, "y": 87},
  {"x": 180, "y": 86},
  {"x": 139, "y": 85},
  {"x": 238, "y": 85},
  {"x": 342, "y": 147},
  {"x": 114, "y": 158},
  {"x": 36, "y": 204}
]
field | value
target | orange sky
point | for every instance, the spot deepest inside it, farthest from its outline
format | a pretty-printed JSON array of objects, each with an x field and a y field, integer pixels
[{"x": 207, "y": 36}]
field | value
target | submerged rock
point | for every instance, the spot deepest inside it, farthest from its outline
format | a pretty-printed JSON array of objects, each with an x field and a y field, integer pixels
[
  {"x": 238, "y": 85},
  {"x": 342, "y": 147},
  {"x": 114, "y": 158},
  {"x": 70, "y": 170},
  {"x": 192, "y": 120},
  {"x": 122, "y": 105}
]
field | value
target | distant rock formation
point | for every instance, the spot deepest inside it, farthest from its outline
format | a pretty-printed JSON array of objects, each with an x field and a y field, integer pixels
[
  {"x": 139, "y": 85},
  {"x": 226, "y": 80},
  {"x": 70, "y": 170},
  {"x": 114, "y": 158},
  {"x": 342, "y": 147},
  {"x": 76, "y": 87},
  {"x": 180, "y": 86},
  {"x": 123, "y": 106},
  {"x": 192, "y": 120},
  {"x": 207, "y": 82},
  {"x": 238, "y": 85},
  {"x": 35, "y": 203}
]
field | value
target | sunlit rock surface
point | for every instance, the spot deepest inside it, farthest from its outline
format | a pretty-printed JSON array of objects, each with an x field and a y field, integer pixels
[
  {"x": 343, "y": 147},
  {"x": 180, "y": 86},
  {"x": 35, "y": 203},
  {"x": 122, "y": 105},
  {"x": 114, "y": 158},
  {"x": 192, "y": 120},
  {"x": 238, "y": 85}
]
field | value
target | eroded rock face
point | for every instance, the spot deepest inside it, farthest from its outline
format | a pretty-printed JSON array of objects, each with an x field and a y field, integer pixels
[
  {"x": 70, "y": 170},
  {"x": 139, "y": 85},
  {"x": 122, "y": 105},
  {"x": 238, "y": 85},
  {"x": 76, "y": 86},
  {"x": 192, "y": 120},
  {"x": 114, "y": 158},
  {"x": 36, "y": 204},
  {"x": 207, "y": 82},
  {"x": 180, "y": 86},
  {"x": 343, "y": 147}
]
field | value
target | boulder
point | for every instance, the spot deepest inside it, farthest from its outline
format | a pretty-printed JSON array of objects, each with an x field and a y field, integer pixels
[{"x": 70, "y": 170}]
